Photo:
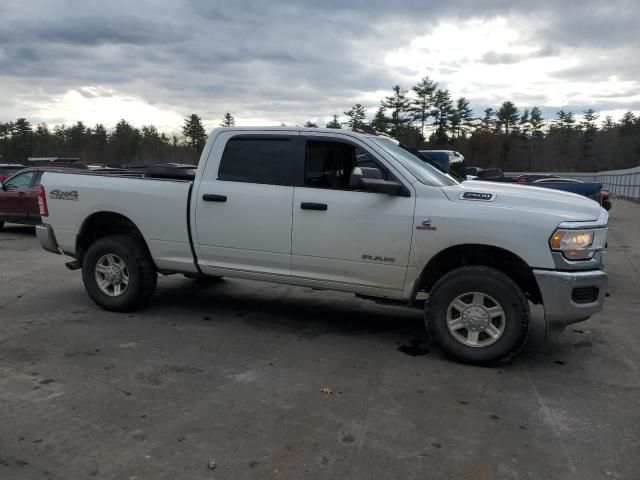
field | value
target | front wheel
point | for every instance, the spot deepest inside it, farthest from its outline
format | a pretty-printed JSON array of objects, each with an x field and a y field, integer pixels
[
  {"x": 478, "y": 315},
  {"x": 118, "y": 273}
]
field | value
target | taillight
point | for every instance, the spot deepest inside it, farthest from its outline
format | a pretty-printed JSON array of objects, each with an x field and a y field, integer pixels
[{"x": 42, "y": 202}]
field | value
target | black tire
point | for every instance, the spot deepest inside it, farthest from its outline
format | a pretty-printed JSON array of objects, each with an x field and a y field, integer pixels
[
  {"x": 492, "y": 283},
  {"x": 1, "y": 224},
  {"x": 142, "y": 273}
]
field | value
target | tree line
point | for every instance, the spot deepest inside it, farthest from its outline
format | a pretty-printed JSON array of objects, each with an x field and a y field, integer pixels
[
  {"x": 426, "y": 116},
  {"x": 122, "y": 145}
]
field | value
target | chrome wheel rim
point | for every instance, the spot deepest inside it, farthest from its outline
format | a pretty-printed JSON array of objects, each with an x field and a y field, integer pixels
[
  {"x": 112, "y": 275},
  {"x": 476, "y": 319}
]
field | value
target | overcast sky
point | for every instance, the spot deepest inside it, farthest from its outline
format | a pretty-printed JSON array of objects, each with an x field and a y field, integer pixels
[{"x": 266, "y": 62}]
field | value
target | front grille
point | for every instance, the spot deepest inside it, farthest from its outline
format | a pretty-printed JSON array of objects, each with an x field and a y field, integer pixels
[{"x": 584, "y": 294}]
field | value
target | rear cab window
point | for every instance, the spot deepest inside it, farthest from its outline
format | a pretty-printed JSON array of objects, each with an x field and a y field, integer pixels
[{"x": 260, "y": 159}]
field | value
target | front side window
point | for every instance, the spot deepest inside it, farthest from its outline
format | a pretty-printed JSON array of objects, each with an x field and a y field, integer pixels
[
  {"x": 21, "y": 181},
  {"x": 329, "y": 164},
  {"x": 258, "y": 160}
]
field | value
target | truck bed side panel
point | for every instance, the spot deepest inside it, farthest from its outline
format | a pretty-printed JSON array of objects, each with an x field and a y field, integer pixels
[{"x": 157, "y": 207}]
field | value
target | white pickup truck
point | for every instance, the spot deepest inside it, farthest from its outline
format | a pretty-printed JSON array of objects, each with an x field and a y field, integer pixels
[{"x": 339, "y": 210}]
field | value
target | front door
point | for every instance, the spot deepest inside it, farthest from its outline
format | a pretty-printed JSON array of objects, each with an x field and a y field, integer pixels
[
  {"x": 15, "y": 197},
  {"x": 344, "y": 235}
]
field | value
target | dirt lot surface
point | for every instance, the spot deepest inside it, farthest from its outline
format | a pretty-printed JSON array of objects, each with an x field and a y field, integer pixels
[{"x": 271, "y": 381}]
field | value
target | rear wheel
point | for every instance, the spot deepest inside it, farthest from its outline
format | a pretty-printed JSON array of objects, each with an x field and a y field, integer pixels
[
  {"x": 478, "y": 315},
  {"x": 118, "y": 273}
]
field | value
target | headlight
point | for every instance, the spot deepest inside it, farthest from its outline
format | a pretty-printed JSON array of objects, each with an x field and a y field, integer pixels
[{"x": 578, "y": 244}]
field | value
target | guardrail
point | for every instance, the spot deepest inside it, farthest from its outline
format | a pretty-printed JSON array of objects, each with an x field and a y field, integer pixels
[{"x": 625, "y": 185}]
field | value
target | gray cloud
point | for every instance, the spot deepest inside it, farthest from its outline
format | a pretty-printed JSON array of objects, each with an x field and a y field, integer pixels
[{"x": 281, "y": 61}]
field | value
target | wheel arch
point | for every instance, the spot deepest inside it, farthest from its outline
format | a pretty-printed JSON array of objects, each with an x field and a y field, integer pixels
[
  {"x": 102, "y": 224},
  {"x": 462, "y": 255}
]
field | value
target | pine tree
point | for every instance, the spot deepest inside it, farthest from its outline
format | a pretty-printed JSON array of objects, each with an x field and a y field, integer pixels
[
  {"x": 310, "y": 124},
  {"x": 398, "y": 103},
  {"x": 194, "y": 132},
  {"x": 442, "y": 112},
  {"x": 488, "y": 123},
  {"x": 589, "y": 128},
  {"x": 525, "y": 123},
  {"x": 22, "y": 139},
  {"x": 421, "y": 106},
  {"x": 537, "y": 122},
  {"x": 335, "y": 123},
  {"x": 228, "y": 120},
  {"x": 125, "y": 140},
  {"x": 99, "y": 142},
  {"x": 608, "y": 123},
  {"x": 508, "y": 117},
  {"x": 380, "y": 121},
  {"x": 461, "y": 118},
  {"x": 356, "y": 116}
]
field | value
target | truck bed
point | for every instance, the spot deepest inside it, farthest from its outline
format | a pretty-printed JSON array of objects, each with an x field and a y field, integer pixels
[{"x": 158, "y": 207}]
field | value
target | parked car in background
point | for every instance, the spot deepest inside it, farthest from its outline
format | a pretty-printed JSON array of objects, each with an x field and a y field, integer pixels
[
  {"x": 19, "y": 195},
  {"x": 8, "y": 169},
  {"x": 592, "y": 190},
  {"x": 449, "y": 159}
]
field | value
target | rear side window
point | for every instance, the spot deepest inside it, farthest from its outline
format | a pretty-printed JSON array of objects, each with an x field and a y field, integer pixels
[{"x": 258, "y": 160}]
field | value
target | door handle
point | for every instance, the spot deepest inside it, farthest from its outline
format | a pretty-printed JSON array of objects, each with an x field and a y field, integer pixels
[
  {"x": 313, "y": 206},
  {"x": 207, "y": 197}
]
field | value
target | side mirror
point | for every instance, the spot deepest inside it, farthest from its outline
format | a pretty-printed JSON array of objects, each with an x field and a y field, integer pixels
[
  {"x": 370, "y": 179},
  {"x": 4, "y": 187}
]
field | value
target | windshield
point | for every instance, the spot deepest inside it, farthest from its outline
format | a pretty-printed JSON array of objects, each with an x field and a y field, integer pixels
[{"x": 423, "y": 171}]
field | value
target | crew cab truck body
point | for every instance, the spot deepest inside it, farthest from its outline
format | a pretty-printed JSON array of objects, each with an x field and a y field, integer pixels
[{"x": 344, "y": 211}]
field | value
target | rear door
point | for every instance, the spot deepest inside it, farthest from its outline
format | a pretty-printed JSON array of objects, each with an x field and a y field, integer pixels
[
  {"x": 14, "y": 204},
  {"x": 243, "y": 204},
  {"x": 345, "y": 235}
]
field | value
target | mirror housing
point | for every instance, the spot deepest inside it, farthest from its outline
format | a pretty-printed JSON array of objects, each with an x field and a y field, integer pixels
[
  {"x": 4, "y": 187},
  {"x": 370, "y": 179}
]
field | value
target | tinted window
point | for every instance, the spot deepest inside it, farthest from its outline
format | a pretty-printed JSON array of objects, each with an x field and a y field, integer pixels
[
  {"x": 258, "y": 160},
  {"x": 21, "y": 181},
  {"x": 329, "y": 164}
]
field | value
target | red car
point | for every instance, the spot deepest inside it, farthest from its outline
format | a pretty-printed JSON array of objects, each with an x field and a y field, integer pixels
[{"x": 19, "y": 196}]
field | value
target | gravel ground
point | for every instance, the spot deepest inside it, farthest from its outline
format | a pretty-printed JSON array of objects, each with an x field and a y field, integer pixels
[{"x": 270, "y": 381}]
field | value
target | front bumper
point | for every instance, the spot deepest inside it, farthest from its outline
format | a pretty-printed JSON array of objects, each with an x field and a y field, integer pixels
[
  {"x": 47, "y": 239},
  {"x": 563, "y": 294}
]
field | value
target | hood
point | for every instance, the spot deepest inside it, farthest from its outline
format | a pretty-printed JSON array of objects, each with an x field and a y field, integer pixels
[{"x": 569, "y": 206}]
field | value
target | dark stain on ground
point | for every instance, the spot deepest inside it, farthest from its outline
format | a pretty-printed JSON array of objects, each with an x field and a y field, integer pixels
[
  {"x": 157, "y": 376},
  {"x": 206, "y": 319},
  {"x": 558, "y": 362},
  {"x": 253, "y": 464},
  {"x": 583, "y": 343},
  {"x": 348, "y": 439},
  {"x": 463, "y": 402},
  {"x": 436, "y": 445},
  {"x": 46, "y": 381},
  {"x": 414, "y": 348},
  {"x": 494, "y": 417}
]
